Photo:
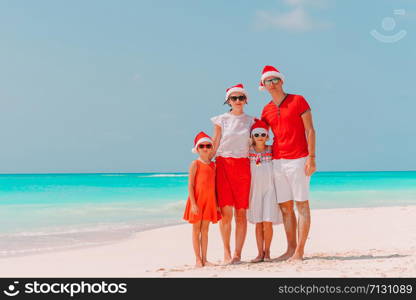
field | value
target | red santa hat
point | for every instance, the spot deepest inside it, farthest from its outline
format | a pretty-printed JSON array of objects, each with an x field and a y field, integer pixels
[
  {"x": 269, "y": 71},
  {"x": 259, "y": 127},
  {"x": 236, "y": 88},
  {"x": 201, "y": 138}
]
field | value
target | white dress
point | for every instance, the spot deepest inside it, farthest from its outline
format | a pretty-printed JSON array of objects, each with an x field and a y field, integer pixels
[{"x": 263, "y": 205}]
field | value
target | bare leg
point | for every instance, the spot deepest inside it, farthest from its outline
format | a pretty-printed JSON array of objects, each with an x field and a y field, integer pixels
[
  {"x": 260, "y": 243},
  {"x": 289, "y": 221},
  {"x": 225, "y": 228},
  {"x": 268, "y": 235},
  {"x": 204, "y": 243},
  {"x": 196, "y": 242},
  {"x": 304, "y": 223},
  {"x": 240, "y": 233}
]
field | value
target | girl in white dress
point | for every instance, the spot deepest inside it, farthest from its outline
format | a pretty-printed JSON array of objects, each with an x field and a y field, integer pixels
[{"x": 263, "y": 209}]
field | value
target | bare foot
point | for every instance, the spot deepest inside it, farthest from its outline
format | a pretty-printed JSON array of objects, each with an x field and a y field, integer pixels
[
  {"x": 227, "y": 259},
  {"x": 226, "y": 262},
  {"x": 297, "y": 256},
  {"x": 258, "y": 259},
  {"x": 267, "y": 256},
  {"x": 236, "y": 260},
  {"x": 209, "y": 264},
  {"x": 198, "y": 264},
  {"x": 288, "y": 254}
]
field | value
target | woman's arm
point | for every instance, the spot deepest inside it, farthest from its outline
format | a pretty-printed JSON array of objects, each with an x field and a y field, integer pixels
[
  {"x": 191, "y": 185},
  {"x": 310, "y": 166},
  {"x": 216, "y": 139}
]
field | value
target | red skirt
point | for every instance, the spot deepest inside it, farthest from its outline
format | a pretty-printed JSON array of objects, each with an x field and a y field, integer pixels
[{"x": 233, "y": 179}]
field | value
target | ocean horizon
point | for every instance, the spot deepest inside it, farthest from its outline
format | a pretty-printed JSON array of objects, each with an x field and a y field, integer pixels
[
  {"x": 50, "y": 211},
  {"x": 183, "y": 172}
]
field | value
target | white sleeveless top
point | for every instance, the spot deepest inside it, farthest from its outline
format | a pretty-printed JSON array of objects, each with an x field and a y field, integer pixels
[{"x": 235, "y": 139}]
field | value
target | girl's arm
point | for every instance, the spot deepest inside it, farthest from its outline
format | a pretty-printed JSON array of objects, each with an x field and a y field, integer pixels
[
  {"x": 216, "y": 139},
  {"x": 191, "y": 185}
]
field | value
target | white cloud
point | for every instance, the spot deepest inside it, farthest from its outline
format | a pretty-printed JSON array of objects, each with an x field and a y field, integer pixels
[{"x": 297, "y": 19}]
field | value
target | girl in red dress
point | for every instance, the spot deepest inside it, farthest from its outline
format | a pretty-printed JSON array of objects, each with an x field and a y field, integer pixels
[{"x": 201, "y": 207}]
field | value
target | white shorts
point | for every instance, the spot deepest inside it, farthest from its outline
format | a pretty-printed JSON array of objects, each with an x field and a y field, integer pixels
[{"x": 290, "y": 179}]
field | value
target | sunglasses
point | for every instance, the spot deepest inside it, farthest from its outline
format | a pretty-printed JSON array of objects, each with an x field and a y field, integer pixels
[
  {"x": 270, "y": 81},
  {"x": 235, "y": 98},
  {"x": 202, "y": 146},
  {"x": 260, "y": 134}
]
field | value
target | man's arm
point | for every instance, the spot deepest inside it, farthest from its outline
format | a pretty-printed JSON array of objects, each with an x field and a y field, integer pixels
[{"x": 310, "y": 166}]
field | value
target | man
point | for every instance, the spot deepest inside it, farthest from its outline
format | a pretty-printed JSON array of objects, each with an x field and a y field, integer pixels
[{"x": 290, "y": 119}]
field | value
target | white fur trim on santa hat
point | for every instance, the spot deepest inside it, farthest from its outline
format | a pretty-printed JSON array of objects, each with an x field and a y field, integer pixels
[
  {"x": 202, "y": 140},
  {"x": 269, "y": 74},
  {"x": 259, "y": 130},
  {"x": 272, "y": 73},
  {"x": 234, "y": 90}
]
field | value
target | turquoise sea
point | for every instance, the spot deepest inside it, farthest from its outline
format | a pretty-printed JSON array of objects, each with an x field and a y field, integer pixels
[{"x": 43, "y": 212}]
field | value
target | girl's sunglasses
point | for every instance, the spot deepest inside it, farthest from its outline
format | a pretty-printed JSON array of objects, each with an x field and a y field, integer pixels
[
  {"x": 260, "y": 134},
  {"x": 269, "y": 81},
  {"x": 202, "y": 146},
  {"x": 235, "y": 98}
]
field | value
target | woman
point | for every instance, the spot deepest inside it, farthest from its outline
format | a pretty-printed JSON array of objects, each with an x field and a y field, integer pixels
[{"x": 231, "y": 146}]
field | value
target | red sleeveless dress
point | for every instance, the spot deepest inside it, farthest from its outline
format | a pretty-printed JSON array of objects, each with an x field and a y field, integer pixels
[{"x": 204, "y": 191}]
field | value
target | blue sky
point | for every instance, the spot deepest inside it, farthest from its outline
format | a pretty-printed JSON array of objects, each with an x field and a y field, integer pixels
[{"x": 123, "y": 86}]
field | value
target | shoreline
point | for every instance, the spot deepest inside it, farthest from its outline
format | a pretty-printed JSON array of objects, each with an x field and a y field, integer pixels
[
  {"x": 351, "y": 242},
  {"x": 89, "y": 244}
]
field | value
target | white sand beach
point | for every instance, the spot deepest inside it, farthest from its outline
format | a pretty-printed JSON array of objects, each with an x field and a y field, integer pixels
[{"x": 356, "y": 242}]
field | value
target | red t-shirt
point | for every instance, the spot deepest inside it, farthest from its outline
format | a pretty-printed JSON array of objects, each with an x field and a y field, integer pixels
[{"x": 286, "y": 122}]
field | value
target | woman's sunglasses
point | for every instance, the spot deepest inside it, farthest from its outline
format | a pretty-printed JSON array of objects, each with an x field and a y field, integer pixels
[
  {"x": 202, "y": 146},
  {"x": 235, "y": 98},
  {"x": 269, "y": 81},
  {"x": 260, "y": 134}
]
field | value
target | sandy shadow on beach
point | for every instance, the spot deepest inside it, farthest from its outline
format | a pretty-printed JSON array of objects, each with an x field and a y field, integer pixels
[
  {"x": 356, "y": 257},
  {"x": 216, "y": 266}
]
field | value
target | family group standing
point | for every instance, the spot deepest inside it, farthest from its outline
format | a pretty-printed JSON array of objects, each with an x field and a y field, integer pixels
[{"x": 250, "y": 179}]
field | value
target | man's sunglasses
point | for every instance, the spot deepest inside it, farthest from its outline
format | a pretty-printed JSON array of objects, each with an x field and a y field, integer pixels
[
  {"x": 202, "y": 146},
  {"x": 270, "y": 81},
  {"x": 260, "y": 134},
  {"x": 235, "y": 98}
]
